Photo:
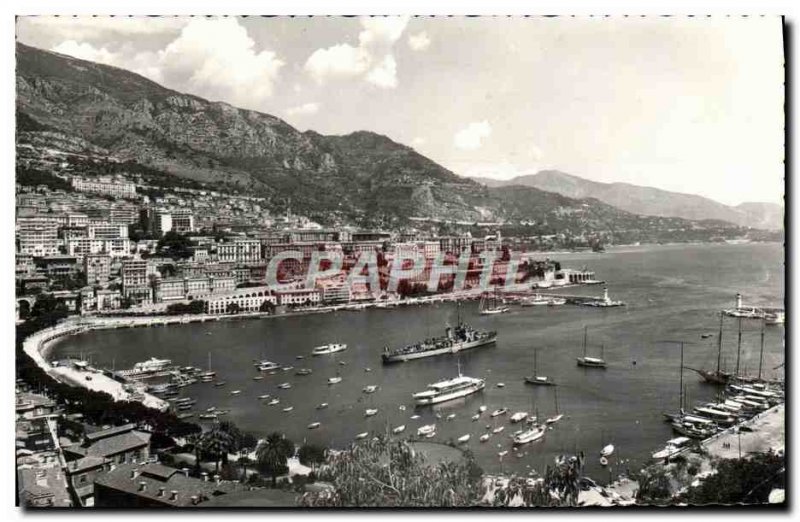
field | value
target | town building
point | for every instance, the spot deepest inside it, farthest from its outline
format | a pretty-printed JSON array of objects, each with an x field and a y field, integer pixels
[
  {"x": 107, "y": 231},
  {"x": 37, "y": 236},
  {"x": 183, "y": 288},
  {"x": 136, "y": 280},
  {"x": 156, "y": 486},
  {"x": 298, "y": 297},
  {"x": 119, "y": 445},
  {"x": 245, "y": 300},
  {"x": 42, "y": 483},
  {"x": 183, "y": 222},
  {"x": 239, "y": 251},
  {"x": 105, "y": 185},
  {"x": 119, "y": 247},
  {"x": 97, "y": 268}
]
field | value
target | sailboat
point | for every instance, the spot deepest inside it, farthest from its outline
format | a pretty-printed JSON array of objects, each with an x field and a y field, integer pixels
[
  {"x": 591, "y": 362},
  {"x": 558, "y": 416},
  {"x": 209, "y": 375},
  {"x": 540, "y": 380},
  {"x": 718, "y": 376},
  {"x": 491, "y": 305}
]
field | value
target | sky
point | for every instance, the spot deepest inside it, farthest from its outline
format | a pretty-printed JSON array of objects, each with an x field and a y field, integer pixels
[{"x": 685, "y": 104}]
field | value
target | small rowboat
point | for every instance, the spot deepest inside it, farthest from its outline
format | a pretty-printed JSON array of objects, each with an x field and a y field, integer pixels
[
  {"x": 399, "y": 429},
  {"x": 464, "y": 438},
  {"x": 313, "y": 425}
]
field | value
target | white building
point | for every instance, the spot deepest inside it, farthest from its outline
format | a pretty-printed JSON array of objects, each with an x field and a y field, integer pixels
[
  {"x": 245, "y": 299},
  {"x": 103, "y": 185},
  {"x": 239, "y": 251}
]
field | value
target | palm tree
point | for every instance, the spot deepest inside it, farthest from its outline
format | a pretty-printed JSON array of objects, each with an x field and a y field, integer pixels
[
  {"x": 198, "y": 443},
  {"x": 218, "y": 442},
  {"x": 272, "y": 454},
  {"x": 234, "y": 434}
]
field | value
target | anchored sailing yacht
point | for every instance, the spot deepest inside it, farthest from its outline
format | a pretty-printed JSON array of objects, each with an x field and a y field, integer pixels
[
  {"x": 537, "y": 379},
  {"x": 590, "y": 362},
  {"x": 492, "y": 305}
]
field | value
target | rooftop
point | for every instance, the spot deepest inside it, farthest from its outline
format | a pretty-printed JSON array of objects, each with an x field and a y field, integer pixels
[{"x": 162, "y": 484}]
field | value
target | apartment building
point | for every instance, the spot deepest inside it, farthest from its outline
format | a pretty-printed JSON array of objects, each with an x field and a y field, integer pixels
[{"x": 104, "y": 185}]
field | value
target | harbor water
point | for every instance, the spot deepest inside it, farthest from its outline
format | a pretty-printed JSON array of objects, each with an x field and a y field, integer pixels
[{"x": 673, "y": 293}]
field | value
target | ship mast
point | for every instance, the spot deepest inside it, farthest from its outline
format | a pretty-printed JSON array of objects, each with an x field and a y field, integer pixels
[
  {"x": 585, "y": 328},
  {"x": 719, "y": 343},
  {"x": 681, "y": 381},
  {"x": 761, "y": 354},
  {"x": 739, "y": 348}
]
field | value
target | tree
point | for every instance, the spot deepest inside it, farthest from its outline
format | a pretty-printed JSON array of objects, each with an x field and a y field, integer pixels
[
  {"x": 389, "y": 473},
  {"x": 267, "y": 306},
  {"x": 174, "y": 245},
  {"x": 233, "y": 308},
  {"x": 272, "y": 454},
  {"x": 748, "y": 480},
  {"x": 218, "y": 442},
  {"x": 385, "y": 473},
  {"x": 311, "y": 455}
]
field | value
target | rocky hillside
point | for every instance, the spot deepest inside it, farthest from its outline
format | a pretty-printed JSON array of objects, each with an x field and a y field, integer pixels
[
  {"x": 111, "y": 115},
  {"x": 649, "y": 201}
]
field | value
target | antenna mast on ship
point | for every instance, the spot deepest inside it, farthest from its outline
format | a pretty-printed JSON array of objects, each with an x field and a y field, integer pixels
[{"x": 719, "y": 342}]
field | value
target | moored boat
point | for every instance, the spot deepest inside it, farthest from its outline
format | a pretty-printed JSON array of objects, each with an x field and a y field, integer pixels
[
  {"x": 329, "y": 349},
  {"x": 449, "y": 389},
  {"x": 530, "y": 435},
  {"x": 519, "y": 416},
  {"x": 425, "y": 430},
  {"x": 673, "y": 446},
  {"x": 457, "y": 339}
]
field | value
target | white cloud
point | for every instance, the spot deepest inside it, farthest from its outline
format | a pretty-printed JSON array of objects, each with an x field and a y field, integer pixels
[
  {"x": 381, "y": 30},
  {"x": 86, "y": 51},
  {"x": 341, "y": 61},
  {"x": 419, "y": 41},
  {"x": 371, "y": 60},
  {"x": 223, "y": 67},
  {"x": 306, "y": 108},
  {"x": 215, "y": 58},
  {"x": 384, "y": 74},
  {"x": 471, "y": 137}
]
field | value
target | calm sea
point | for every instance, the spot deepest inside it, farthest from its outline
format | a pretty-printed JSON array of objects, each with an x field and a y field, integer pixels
[{"x": 673, "y": 293}]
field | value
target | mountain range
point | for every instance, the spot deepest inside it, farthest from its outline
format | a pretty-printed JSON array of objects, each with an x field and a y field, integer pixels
[
  {"x": 106, "y": 116},
  {"x": 648, "y": 200}
]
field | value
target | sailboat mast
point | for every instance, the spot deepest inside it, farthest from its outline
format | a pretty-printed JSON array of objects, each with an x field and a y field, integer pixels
[
  {"x": 535, "y": 365},
  {"x": 681, "y": 380},
  {"x": 585, "y": 328},
  {"x": 739, "y": 348},
  {"x": 761, "y": 354},
  {"x": 719, "y": 343}
]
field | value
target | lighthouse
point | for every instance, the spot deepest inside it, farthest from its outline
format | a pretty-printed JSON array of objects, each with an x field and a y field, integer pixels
[{"x": 738, "y": 301}]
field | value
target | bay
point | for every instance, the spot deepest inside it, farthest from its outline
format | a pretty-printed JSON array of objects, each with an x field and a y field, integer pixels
[{"x": 673, "y": 292}]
